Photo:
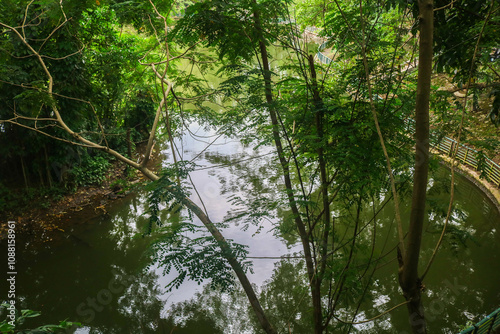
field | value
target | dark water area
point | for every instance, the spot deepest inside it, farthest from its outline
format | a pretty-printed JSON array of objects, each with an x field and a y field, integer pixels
[{"x": 462, "y": 284}]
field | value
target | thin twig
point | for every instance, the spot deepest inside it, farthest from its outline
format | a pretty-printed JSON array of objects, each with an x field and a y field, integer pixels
[
  {"x": 44, "y": 133},
  {"x": 61, "y": 58},
  {"x": 381, "y": 137},
  {"x": 445, "y": 6},
  {"x": 25, "y": 17},
  {"x": 53, "y": 32}
]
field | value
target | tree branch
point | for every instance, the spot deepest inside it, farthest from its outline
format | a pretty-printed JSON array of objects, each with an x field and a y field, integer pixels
[
  {"x": 381, "y": 137},
  {"x": 11, "y": 121},
  {"x": 227, "y": 251},
  {"x": 153, "y": 131}
]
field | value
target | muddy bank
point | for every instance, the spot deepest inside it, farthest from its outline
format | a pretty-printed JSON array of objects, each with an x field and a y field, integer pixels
[
  {"x": 40, "y": 224},
  {"x": 43, "y": 224}
]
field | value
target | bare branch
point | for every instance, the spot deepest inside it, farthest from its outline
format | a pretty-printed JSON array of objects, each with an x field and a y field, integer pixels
[
  {"x": 25, "y": 42},
  {"x": 67, "y": 56},
  {"x": 163, "y": 17},
  {"x": 470, "y": 85},
  {"x": 445, "y": 6},
  {"x": 36, "y": 119},
  {"x": 158, "y": 75},
  {"x": 19, "y": 85},
  {"x": 153, "y": 130},
  {"x": 16, "y": 57},
  {"x": 196, "y": 61},
  {"x": 25, "y": 17},
  {"x": 53, "y": 32},
  {"x": 29, "y": 24},
  {"x": 374, "y": 318},
  {"x": 179, "y": 56},
  {"x": 62, "y": 10},
  {"x": 66, "y": 97},
  {"x": 154, "y": 28},
  {"x": 494, "y": 71},
  {"x": 11, "y": 121}
]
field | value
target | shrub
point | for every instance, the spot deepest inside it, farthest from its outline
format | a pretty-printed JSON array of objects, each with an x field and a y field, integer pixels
[{"x": 91, "y": 170}]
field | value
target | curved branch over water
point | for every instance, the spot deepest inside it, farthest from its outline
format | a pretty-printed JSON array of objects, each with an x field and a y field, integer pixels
[{"x": 216, "y": 234}]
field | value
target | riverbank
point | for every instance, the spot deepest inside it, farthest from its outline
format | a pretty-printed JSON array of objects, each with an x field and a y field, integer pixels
[
  {"x": 488, "y": 188},
  {"x": 41, "y": 220},
  {"x": 44, "y": 219}
]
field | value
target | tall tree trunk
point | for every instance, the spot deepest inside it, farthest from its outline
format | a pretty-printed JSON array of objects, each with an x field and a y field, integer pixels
[
  {"x": 409, "y": 279},
  {"x": 47, "y": 169},
  {"x": 327, "y": 226},
  {"x": 304, "y": 236},
  {"x": 320, "y": 114},
  {"x": 129, "y": 144},
  {"x": 25, "y": 174}
]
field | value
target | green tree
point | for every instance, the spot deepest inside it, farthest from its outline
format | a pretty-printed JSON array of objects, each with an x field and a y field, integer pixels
[
  {"x": 466, "y": 39},
  {"x": 91, "y": 64},
  {"x": 319, "y": 136},
  {"x": 338, "y": 129},
  {"x": 159, "y": 63}
]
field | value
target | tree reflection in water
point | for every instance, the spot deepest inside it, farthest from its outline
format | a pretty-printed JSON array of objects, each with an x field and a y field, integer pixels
[{"x": 284, "y": 297}]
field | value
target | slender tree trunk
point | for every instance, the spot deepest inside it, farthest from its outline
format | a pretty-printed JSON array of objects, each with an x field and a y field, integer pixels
[
  {"x": 129, "y": 144},
  {"x": 47, "y": 169},
  {"x": 40, "y": 175},
  {"x": 235, "y": 264},
  {"x": 25, "y": 175},
  {"x": 320, "y": 114},
  {"x": 304, "y": 236},
  {"x": 409, "y": 279}
]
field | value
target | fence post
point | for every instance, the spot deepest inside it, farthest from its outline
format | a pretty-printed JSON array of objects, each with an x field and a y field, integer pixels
[{"x": 490, "y": 165}]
